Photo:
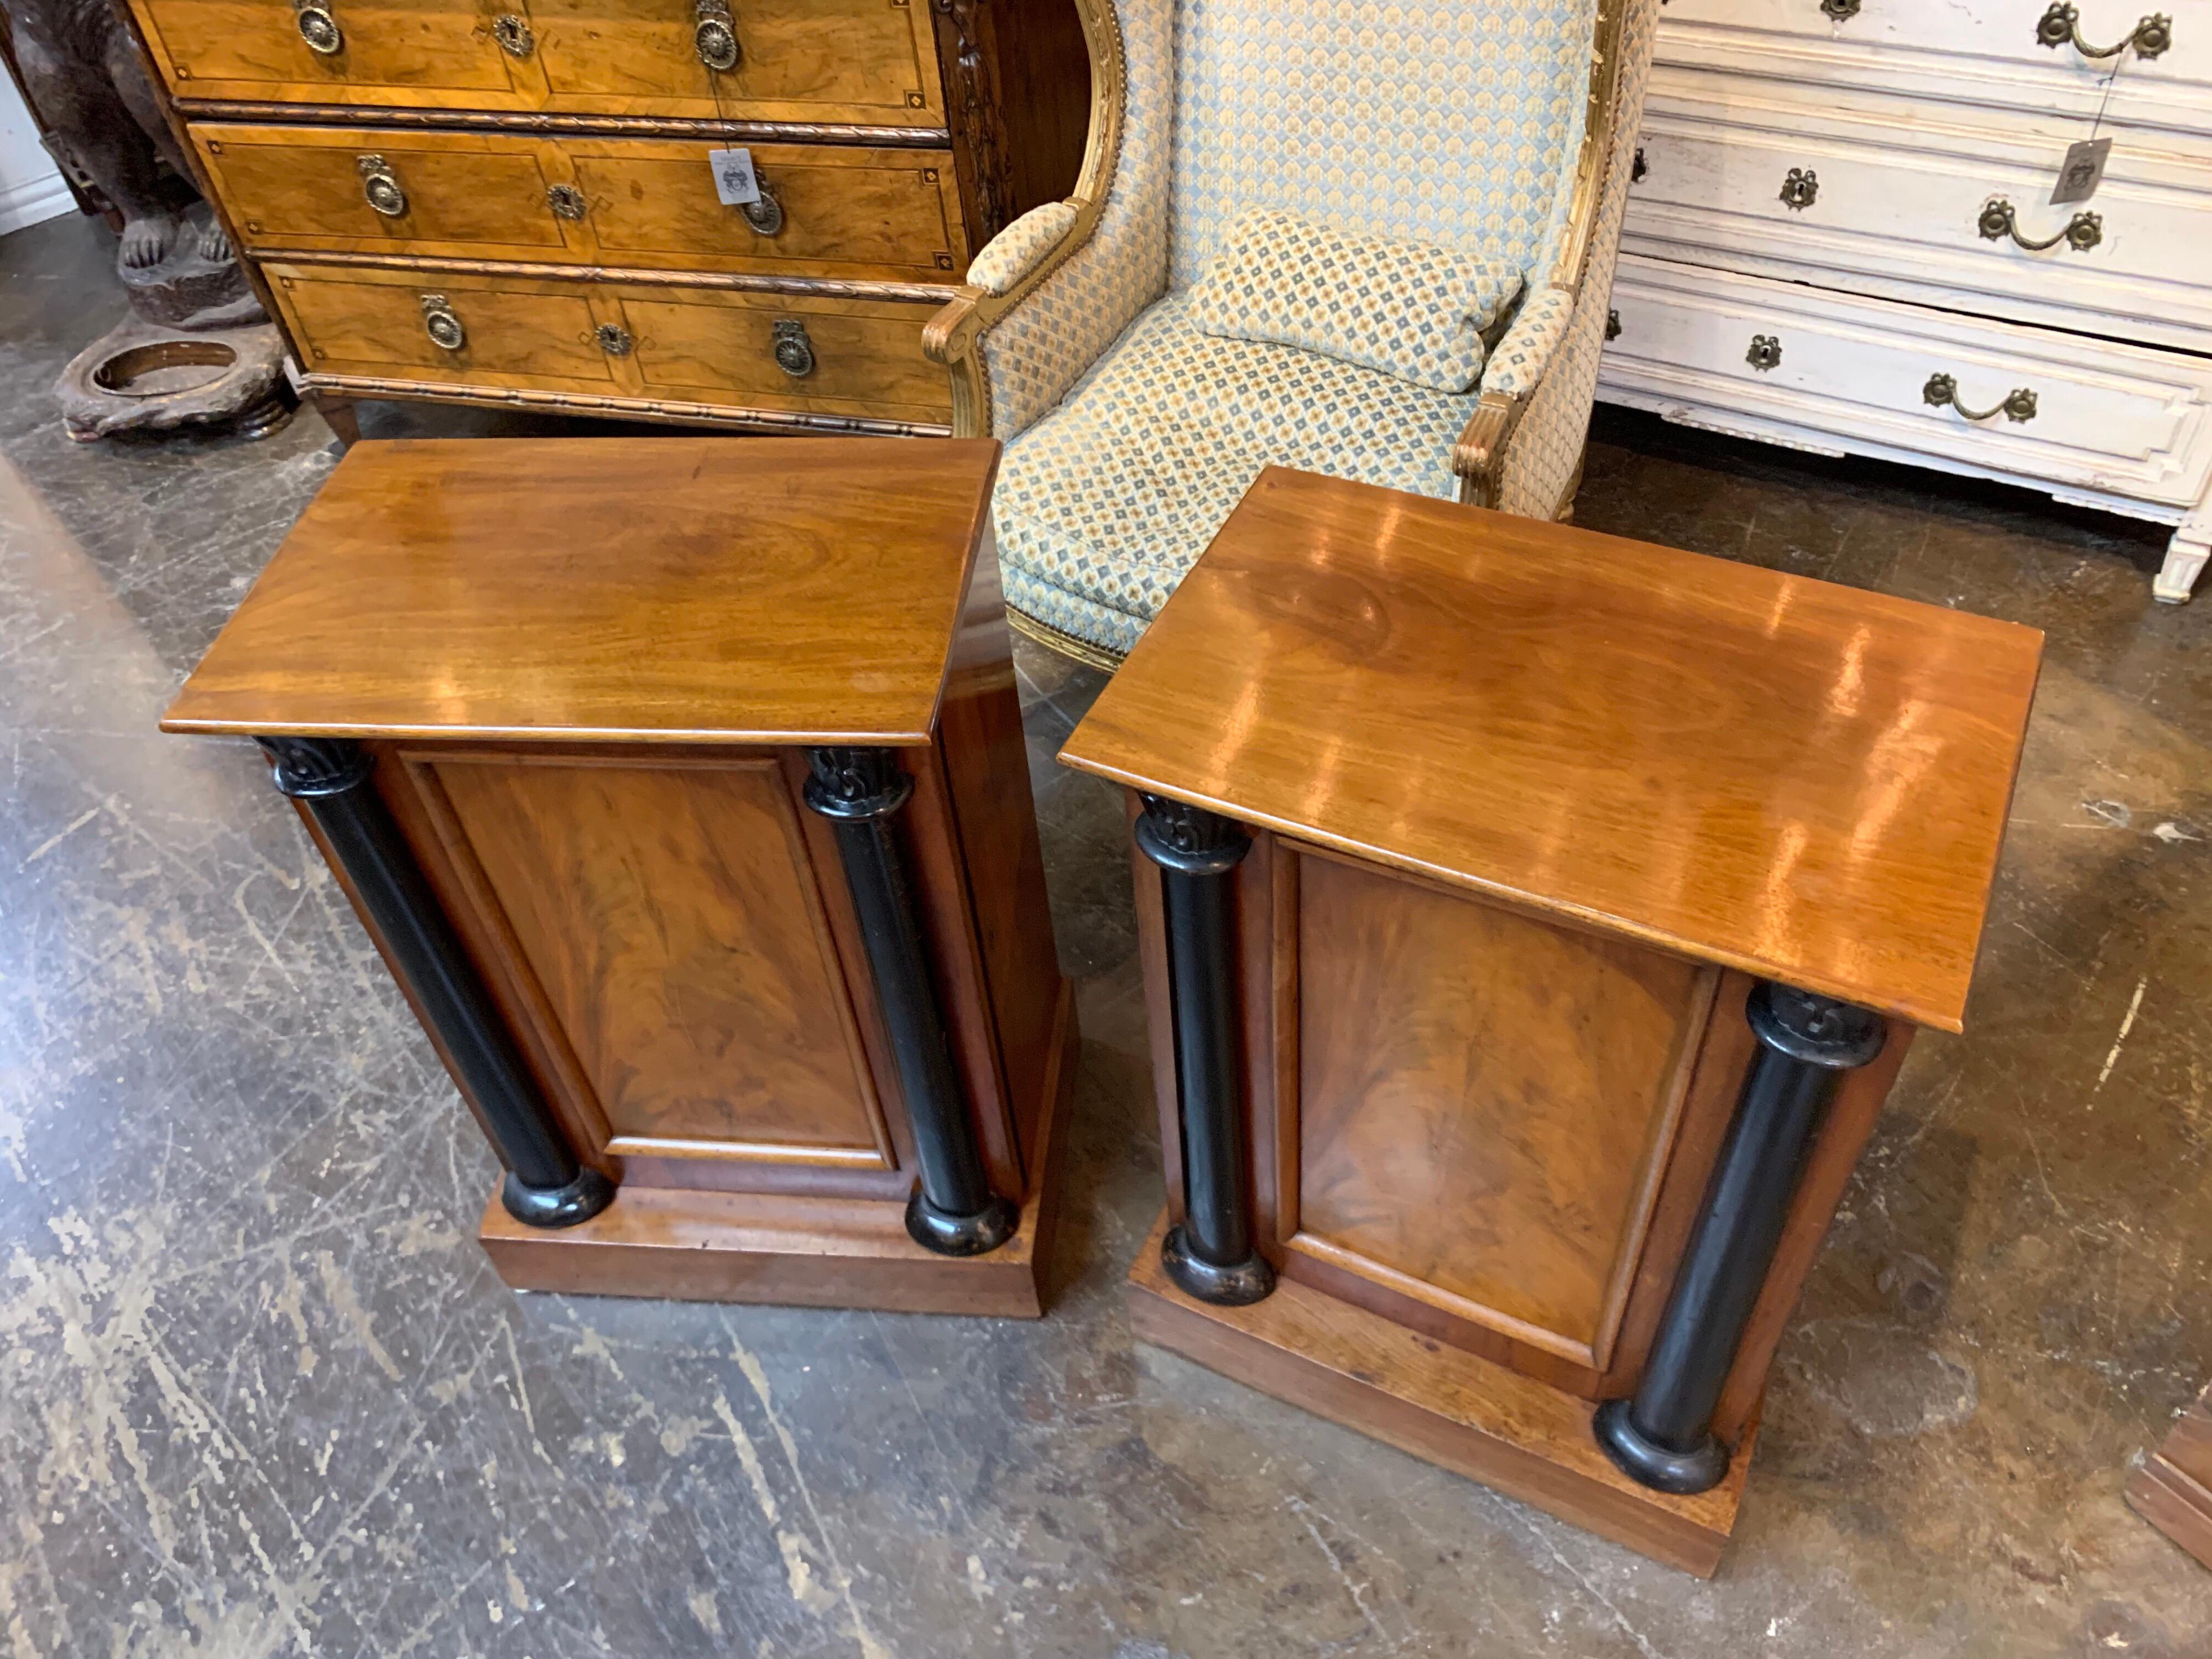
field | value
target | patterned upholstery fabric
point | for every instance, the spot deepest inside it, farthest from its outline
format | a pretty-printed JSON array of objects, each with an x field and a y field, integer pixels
[
  {"x": 1519, "y": 360},
  {"x": 1103, "y": 504},
  {"x": 1546, "y": 449},
  {"x": 1410, "y": 309},
  {"x": 1440, "y": 121},
  {"x": 1038, "y": 351},
  {"x": 1420, "y": 121},
  {"x": 1013, "y": 253}
]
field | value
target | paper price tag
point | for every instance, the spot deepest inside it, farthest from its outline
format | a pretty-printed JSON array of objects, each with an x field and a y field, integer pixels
[
  {"x": 2082, "y": 171},
  {"x": 735, "y": 182}
]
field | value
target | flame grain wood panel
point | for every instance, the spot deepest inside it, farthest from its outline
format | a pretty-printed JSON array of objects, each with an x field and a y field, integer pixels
[
  {"x": 1554, "y": 915},
  {"x": 603, "y": 686}
]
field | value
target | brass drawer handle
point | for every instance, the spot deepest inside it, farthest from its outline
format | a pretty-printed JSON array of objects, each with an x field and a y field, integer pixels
[
  {"x": 566, "y": 201},
  {"x": 1802, "y": 188},
  {"x": 381, "y": 186},
  {"x": 318, "y": 26},
  {"x": 2082, "y": 233},
  {"x": 439, "y": 323},
  {"x": 515, "y": 37},
  {"x": 715, "y": 34},
  {"x": 765, "y": 216},
  {"x": 2018, "y": 406},
  {"x": 794, "y": 352},
  {"x": 1766, "y": 353},
  {"x": 2152, "y": 34},
  {"x": 614, "y": 340}
]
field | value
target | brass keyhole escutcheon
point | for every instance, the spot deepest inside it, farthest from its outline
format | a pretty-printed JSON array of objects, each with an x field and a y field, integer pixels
[
  {"x": 1801, "y": 188},
  {"x": 1638, "y": 169},
  {"x": 1841, "y": 10},
  {"x": 440, "y": 324},
  {"x": 515, "y": 37},
  {"x": 614, "y": 340},
  {"x": 714, "y": 35},
  {"x": 1612, "y": 325},
  {"x": 1766, "y": 353},
  {"x": 319, "y": 28},
  {"x": 765, "y": 216},
  {"x": 381, "y": 186},
  {"x": 566, "y": 201},
  {"x": 794, "y": 352}
]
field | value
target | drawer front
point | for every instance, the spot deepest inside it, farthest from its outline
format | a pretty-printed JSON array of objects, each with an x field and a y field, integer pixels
[
  {"x": 839, "y": 211},
  {"x": 870, "y": 63},
  {"x": 1857, "y": 370},
  {"x": 439, "y": 53},
  {"x": 1808, "y": 185},
  {"x": 714, "y": 350},
  {"x": 513, "y": 333},
  {"x": 1981, "y": 50},
  {"x": 863, "y": 356},
  {"x": 338, "y": 189}
]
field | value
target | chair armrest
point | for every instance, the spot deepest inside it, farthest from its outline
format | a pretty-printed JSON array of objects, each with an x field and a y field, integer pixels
[
  {"x": 1509, "y": 380},
  {"x": 1018, "y": 249}
]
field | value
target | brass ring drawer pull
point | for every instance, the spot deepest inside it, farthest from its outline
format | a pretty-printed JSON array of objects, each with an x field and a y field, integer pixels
[
  {"x": 318, "y": 26},
  {"x": 2152, "y": 34},
  {"x": 439, "y": 323},
  {"x": 765, "y": 216},
  {"x": 1801, "y": 188},
  {"x": 2018, "y": 406},
  {"x": 1840, "y": 9},
  {"x": 381, "y": 186},
  {"x": 566, "y": 201},
  {"x": 614, "y": 340},
  {"x": 715, "y": 34},
  {"x": 2080, "y": 232},
  {"x": 515, "y": 37},
  {"x": 794, "y": 352}
]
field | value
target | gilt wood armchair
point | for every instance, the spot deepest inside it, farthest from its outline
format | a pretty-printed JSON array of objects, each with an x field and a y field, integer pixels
[{"x": 1503, "y": 127}]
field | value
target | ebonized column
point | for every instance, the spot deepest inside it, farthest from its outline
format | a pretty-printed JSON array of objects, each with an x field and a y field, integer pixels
[
  {"x": 1209, "y": 1252},
  {"x": 546, "y": 1186},
  {"x": 953, "y": 1211},
  {"x": 1662, "y": 1435}
]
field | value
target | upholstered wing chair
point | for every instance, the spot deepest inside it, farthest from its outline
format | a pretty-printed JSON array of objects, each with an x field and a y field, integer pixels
[{"x": 1502, "y": 127}]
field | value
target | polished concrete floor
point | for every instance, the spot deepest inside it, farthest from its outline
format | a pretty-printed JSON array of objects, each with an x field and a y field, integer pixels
[{"x": 260, "y": 1395}]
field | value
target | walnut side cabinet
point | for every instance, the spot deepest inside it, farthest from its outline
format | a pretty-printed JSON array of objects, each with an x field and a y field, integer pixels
[
  {"x": 510, "y": 201},
  {"x": 1527, "y": 964},
  {"x": 681, "y": 784}
]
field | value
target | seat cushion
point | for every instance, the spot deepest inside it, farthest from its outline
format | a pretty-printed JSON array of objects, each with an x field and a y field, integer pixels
[{"x": 1106, "y": 503}]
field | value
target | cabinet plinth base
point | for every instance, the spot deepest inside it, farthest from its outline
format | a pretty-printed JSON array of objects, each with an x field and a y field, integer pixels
[
  {"x": 1523, "y": 1438},
  {"x": 797, "y": 1251}
]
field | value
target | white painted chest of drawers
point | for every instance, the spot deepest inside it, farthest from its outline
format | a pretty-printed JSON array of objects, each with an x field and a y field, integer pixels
[{"x": 1841, "y": 239}]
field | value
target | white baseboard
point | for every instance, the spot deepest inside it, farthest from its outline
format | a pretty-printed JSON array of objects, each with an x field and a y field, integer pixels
[{"x": 28, "y": 201}]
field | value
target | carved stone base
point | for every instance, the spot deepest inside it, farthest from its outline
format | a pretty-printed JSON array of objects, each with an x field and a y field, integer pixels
[
  {"x": 189, "y": 291},
  {"x": 143, "y": 376}
]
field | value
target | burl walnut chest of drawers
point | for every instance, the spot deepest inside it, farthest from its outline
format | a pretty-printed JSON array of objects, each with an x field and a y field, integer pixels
[{"x": 512, "y": 201}]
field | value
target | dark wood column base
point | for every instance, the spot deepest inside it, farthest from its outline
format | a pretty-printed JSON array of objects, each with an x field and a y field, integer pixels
[
  {"x": 793, "y": 1250},
  {"x": 1511, "y": 1432}
]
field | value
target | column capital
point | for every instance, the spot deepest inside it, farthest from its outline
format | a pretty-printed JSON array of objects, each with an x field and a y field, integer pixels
[
  {"x": 856, "y": 783},
  {"x": 1820, "y": 1031},
  {"x": 1189, "y": 840},
  {"x": 309, "y": 768}
]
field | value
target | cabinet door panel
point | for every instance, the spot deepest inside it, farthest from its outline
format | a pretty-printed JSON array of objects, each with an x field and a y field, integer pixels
[{"x": 673, "y": 918}]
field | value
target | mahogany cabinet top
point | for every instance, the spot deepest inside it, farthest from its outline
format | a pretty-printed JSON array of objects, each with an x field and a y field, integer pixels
[
  {"x": 1797, "y": 779},
  {"x": 672, "y": 589}
]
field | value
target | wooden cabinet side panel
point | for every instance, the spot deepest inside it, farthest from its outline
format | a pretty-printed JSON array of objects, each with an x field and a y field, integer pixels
[{"x": 985, "y": 759}]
